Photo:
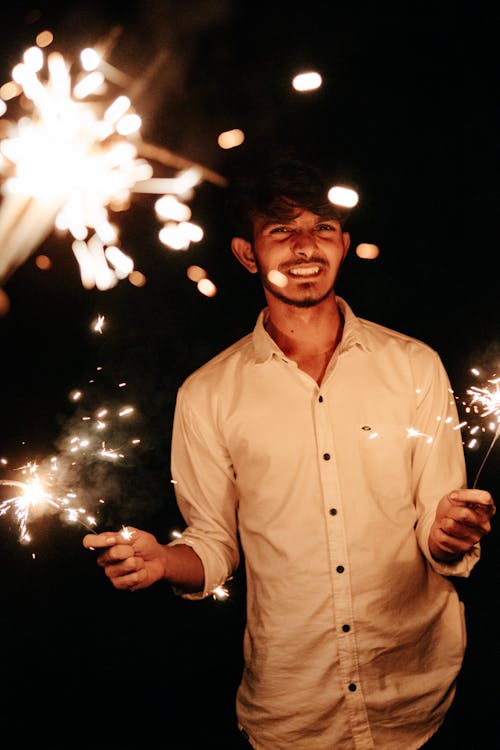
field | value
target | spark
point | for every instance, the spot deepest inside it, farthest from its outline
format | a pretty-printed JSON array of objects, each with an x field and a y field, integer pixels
[
  {"x": 488, "y": 398},
  {"x": 75, "y": 158},
  {"x": 126, "y": 411},
  {"x": 220, "y": 593},
  {"x": 98, "y": 324}
]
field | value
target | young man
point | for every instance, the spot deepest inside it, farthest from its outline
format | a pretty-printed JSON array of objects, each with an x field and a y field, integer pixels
[{"x": 326, "y": 445}]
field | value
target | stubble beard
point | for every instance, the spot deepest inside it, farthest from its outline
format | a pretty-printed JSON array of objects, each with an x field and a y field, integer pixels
[{"x": 293, "y": 302}]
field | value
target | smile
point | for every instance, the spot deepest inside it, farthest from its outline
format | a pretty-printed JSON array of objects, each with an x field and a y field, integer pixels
[{"x": 304, "y": 270}]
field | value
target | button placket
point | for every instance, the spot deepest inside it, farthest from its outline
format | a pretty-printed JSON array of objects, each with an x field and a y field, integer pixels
[{"x": 337, "y": 553}]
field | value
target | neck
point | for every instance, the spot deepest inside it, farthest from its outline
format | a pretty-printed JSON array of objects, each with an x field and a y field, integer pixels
[{"x": 309, "y": 331}]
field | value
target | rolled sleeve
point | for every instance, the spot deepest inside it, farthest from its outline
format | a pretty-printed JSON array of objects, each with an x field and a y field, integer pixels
[
  {"x": 204, "y": 486},
  {"x": 460, "y": 568},
  {"x": 439, "y": 464}
]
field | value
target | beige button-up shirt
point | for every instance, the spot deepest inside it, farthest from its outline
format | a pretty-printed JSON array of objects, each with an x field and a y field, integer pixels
[{"x": 354, "y": 634}]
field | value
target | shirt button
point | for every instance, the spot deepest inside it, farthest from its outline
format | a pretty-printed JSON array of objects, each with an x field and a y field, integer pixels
[
  {"x": 320, "y": 399},
  {"x": 333, "y": 511},
  {"x": 326, "y": 456},
  {"x": 346, "y": 628},
  {"x": 352, "y": 687},
  {"x": 339, "y": 568}
]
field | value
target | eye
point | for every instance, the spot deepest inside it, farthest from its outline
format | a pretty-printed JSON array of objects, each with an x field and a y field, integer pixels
[
  {"x": 276, "y": 230},
  {"x": 326, "y": 228}
]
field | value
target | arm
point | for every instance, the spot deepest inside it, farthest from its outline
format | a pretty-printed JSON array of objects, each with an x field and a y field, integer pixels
[
  {"x": 139, "y": 560},
  {"x": 207, "y": 553},
  {"x": 451, "y": 520}
]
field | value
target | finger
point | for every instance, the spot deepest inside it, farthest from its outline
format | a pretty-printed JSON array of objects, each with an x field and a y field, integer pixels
[
  {"x": 120, "y": 567},
  {"x": 98, "y": 541},
  {"x": 450, "y": 543},
  {"x": 118, "y": 552},
  {"x": 129, "y": 581},
  {"x": 126, "y": 582},
  {"x": 115, "y": 556},
  {"x": 454, "y": 527},
  {"x": 474, "y": 499}
]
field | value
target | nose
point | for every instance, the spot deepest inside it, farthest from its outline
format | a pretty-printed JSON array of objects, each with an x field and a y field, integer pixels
[{"x": 303, "y": 244}]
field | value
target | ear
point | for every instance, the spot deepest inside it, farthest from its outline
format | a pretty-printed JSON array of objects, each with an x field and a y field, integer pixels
[
  {"x": 346, "y": 239},
  {"x": 242, "y": 249}
]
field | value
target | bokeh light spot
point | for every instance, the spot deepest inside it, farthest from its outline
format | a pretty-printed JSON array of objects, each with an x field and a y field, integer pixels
[
  {"x": 207, "y": 287},
  {"x": 367, "y": 251},
  {"x": 308, "y": 81},
  {"x": 231, "y": 138},
  {"x": 343, "y": 196},
  {"x": 137, "y": 278}
]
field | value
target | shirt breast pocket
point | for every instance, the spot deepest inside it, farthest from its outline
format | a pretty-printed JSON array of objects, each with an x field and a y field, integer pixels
[{"x": 385, "y": 452}]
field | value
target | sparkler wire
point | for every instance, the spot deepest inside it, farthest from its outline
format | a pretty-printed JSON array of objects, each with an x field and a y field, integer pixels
[{"x": 495, "y": 437}]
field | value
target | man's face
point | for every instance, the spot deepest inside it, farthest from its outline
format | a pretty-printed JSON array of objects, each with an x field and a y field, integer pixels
[{"x": 298, "y": 261}]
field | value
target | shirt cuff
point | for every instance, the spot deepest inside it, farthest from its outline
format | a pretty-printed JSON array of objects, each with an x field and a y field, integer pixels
[
  {"x": 460, "y": 568},
  {"x": 214, "y": 578}
]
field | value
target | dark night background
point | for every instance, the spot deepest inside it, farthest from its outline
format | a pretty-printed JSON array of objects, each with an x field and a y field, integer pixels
[{"x": 408, "y": 116}]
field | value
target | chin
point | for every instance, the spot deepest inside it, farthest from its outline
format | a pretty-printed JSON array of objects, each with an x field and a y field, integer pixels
[{"x": 301, "y": 300}]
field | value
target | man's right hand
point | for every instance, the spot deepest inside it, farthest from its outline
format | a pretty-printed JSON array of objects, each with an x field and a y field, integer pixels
[{"x": 132, "y": 559}]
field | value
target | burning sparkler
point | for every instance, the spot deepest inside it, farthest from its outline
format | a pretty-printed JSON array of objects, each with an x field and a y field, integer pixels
[
  {"x": 74, "y": 156},
  {"x": 37, "y": 496},
  {"x": 44, "y": 487},
  {"x": 484, "y": 402}
]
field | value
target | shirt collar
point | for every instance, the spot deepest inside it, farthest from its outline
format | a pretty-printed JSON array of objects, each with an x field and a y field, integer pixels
[{"x": 354, "y": 334}]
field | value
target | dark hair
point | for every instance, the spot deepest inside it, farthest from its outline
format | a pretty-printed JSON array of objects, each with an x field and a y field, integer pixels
[{"x": 274, "y": 190}]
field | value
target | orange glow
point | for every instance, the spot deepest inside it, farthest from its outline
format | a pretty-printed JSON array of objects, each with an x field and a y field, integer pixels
[
  {"x": 196, "y": 273},
  {"x": 43, "y": 262},
  {"x": 4, "y": 303},
  {"x": 44, "y": 38},
  {"x": 137, "y": 278}
]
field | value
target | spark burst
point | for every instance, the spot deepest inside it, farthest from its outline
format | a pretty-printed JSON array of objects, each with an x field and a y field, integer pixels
[
  {"x": 37, "y": 496},
  {"x": 75, "y": 155},
  {"x": 484, "y": 402},
  {"x": 94, "y": 438}
]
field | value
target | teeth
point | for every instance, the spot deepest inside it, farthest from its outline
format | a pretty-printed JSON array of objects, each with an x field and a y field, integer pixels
[{"x": 301, "y": 271}]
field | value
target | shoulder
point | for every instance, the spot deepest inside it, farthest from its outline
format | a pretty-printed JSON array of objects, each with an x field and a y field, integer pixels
[
  {"x": 399, "y": 355},
  {"x": 377, "y": 339},
  {"x": 378, "y": 335},
  {"x": 223, "y": 366}
]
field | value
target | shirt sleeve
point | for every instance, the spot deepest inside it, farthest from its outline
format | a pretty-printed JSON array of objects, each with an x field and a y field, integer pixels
[
  {"x": 205, "y": 491},
  {"x": 438, "y": 459}
]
